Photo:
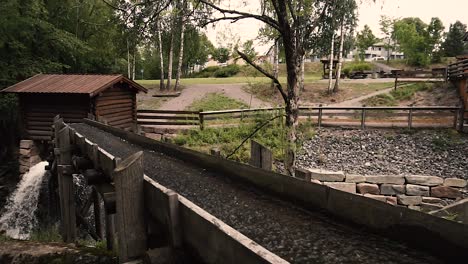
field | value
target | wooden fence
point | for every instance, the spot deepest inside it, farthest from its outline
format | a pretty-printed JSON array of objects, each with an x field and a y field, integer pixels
[{"x": 423, "y": 116}]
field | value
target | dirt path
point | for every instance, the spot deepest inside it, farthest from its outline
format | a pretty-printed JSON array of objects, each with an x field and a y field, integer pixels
[
  {"x": 195, "y": 92},
  {"x": 383, "y": 66},
  {"x": 357, "y": 101}
]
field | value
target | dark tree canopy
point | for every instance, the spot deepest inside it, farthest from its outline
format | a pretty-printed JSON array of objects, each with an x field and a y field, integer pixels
[{"x": 453, "y": 44}]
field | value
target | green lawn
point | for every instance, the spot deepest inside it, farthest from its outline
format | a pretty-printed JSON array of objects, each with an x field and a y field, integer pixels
[
  {"x": 150, "y": 84},
  {"x": 215, "y": 102}
]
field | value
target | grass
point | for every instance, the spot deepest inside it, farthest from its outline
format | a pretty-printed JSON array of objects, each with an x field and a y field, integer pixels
[
  {"x": 401, "y": 64},
  {"x": 396, "y": 96},
  {"x": 317, "y": 92},
  {"x": 227, "y": 139},
  {"x": 216, "y": 101},
  {"x": 151, "y": 103}
]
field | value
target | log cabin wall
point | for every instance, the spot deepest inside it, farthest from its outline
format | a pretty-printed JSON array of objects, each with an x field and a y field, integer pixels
[
  {"x": 38, "y": 111},
  {"x": 117, "y": 106}
]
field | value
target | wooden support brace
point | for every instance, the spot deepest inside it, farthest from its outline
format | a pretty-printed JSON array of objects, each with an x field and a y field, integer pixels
[{"x": 128, "y": 179}]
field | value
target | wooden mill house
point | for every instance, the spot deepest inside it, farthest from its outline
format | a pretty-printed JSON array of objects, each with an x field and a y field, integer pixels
[{"x": 110, "y": 98}]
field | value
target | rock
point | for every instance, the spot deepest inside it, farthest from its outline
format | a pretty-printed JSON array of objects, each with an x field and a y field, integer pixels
[
  {"x": 316, "y": 181},
  {"x": 157, "y": 137},
  {"x": 431, "y": 200},
  {"x": 426, "y": 207},
  {"x": 392, "y": 200},
  {"x": 381, "y": 198},
  {"x": 327, "y": 176},
  {"x": 355, "y": 178},
  {"x": 455, "y": 182},
  {"x": 342, "y": 186},
  {"x": 424, "y": 180},
  {"x": 420, "y": 190},
  {"x": 445, "y": 192},
  {"x": 302, "y": 174},
  {"x": 26, "y": 144},
  {"x": 370, "y": 188},
  {"x": 390, "y": 179},
  {"x": 409, "y": 200},
  {"x": 414, "y": 207},
  {"x": 392, "y": 189}
]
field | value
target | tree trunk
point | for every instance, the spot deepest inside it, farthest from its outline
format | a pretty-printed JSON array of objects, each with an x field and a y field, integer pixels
[
  {"x": 133, "y": 65},
  {"x": 330, "y": 65},
  {"x": 275, "y": 62},
  {"x": 181, "y": 53},
  {"x": 340, "y": 61},
  {"x": 128, "y": 60},
  {"x": 301, "y": 83},
  {"x": 171, "y": 55},
  {"x": 161, "y": 58}
]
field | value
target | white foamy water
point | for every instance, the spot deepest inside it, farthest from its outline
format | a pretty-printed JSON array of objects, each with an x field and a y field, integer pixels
[{"x": 18, "y": 217}]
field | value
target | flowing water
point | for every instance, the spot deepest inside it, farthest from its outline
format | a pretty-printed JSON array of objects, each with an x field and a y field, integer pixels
[{"x": 19, "y": 218}]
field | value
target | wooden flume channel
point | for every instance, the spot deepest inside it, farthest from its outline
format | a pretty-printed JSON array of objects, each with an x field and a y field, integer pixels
[{"x": 170, "y": 213}]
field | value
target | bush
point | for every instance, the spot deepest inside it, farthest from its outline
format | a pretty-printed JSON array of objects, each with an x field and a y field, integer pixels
[
  {"x": 357, "y": 66},
  {"x": 227, "y": 71}
]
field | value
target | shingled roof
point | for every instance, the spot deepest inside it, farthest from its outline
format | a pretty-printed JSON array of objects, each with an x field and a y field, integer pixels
[{"x": 90, "y": 84}]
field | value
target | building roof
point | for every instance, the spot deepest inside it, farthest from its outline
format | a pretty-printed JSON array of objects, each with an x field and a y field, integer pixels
[{"x": 91, "y": 84}]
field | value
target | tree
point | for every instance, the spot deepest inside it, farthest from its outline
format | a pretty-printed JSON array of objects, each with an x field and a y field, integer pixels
[
  {"x": 296, "y": 22},
  {"x": 386, "y": 26},
  {"x": 419, "y": 41},
  {"x": 453, "y": 44},
  {"x": 364, "y": 39},
  {"x": 221, "y": 54},
  {"x": 248, "y": 49}
]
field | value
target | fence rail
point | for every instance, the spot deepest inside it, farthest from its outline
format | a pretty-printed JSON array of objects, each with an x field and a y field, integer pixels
[
  {"x": 424, "y": 116},
  {"x": 458, "y": 70}
]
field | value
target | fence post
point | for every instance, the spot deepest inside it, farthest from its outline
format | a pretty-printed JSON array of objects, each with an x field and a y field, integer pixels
[
  {"x": 303, "y": 174},
  {"x": 396, "y": 80},
  {"x": 320, "y": 116},
  {"x": 67, "y": 194},
  {"x": 201, "y": 119},
  {"x": 97, "y": 213},
  {"x": 461, "y": 117},
  {"x": 128, "y": 179},
  {"x": 410, "y": 118},
  {"x": 260, "y": 156},
  {"x": 363, "y": 118},
  {"x": 455, "y": 118}
]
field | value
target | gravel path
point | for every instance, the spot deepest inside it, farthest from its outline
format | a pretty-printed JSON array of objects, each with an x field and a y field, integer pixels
[
  {"x": 197, "y": 91},
  {"x": 380, "y": 152},
  {"x": 294, "y": 234}
]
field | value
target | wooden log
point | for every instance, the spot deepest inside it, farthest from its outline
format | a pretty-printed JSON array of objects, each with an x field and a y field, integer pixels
[
  {"x": 303, "y": 174},
  {"x": 67, "y": 198},
  {"x": 113, "y": 97},
  {"x": 126, "y": 112},
  {"x": 108, "y": 107},
  {"x": 110, "y": 231},
  {"x": 113, "y": 102},
  {"x": 114, "y": 110},
  {"x": 123, "y": 121},
  {"x": 128, "y": 179}
]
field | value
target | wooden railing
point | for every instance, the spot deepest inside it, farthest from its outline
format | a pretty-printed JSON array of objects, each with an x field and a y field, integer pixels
[
  {"x": 422, "y": 116},
  {"x": 458, "y": 70}
]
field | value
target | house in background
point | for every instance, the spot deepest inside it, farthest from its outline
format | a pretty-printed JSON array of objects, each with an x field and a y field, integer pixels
[{"x": 378, "y": 51}]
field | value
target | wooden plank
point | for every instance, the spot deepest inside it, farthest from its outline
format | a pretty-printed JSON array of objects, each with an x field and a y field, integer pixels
[
  {"x": 260, "y": 156},
  {"x": 151, "y": 123},
  {"x": 114, "y": 97},
  {"x": 128, "y": 178},
  {"x": 107, "y": 107},
  {"x": 106, "y": 161},
  {"x": 123, "y": 121},
  {"x": 114, "y": 102},
  {"x": 115, "y": 110},
  {"x": 110, "y": 119},
  {"x": 168, "y": 117},
  {"x": 39, "y": 133},
  {"x": 126, "y": 112}
]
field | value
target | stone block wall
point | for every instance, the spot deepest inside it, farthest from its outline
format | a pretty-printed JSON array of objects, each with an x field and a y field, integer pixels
[
  {"x": 28, "y": 156},
  {"x": 418, "y": 192}
]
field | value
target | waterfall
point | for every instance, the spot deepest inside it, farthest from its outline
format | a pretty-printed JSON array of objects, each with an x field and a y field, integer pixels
[{"x": 19, "y": 217}]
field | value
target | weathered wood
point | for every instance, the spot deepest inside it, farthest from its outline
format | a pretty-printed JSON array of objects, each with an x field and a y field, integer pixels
[
  {"x": 303, "y": 174},
  {"x": 113, "y": 102},
  {"x": 110, "y": 231},
  {"x": 215, "y": 152},
  {"x": 152, "y": 117},
  {"x": 153, "y": 123},
  {"x": 109, "y": 202},
  {"x": 67, "y": 198},
  {"x": 128, "y": 179},
  {"x": 410, "y": 119},
  {"x": 260, "y": 156},
  {"x": 363, "y": 118}
]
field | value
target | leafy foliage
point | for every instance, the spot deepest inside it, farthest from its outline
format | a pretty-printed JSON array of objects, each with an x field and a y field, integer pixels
[
  {"x": 364, "y": 39},
  {"x": 453, "y": 44},
  {"x": 221, "y": 54}
]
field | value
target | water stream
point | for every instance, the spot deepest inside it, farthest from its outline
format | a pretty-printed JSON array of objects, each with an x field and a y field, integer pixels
[{"x": 19, "y": 215}]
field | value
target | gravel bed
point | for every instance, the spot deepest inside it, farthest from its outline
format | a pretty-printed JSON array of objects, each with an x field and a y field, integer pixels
[
  {"x": 292, "y": 233},
  {"x": 442, "y": 153}
]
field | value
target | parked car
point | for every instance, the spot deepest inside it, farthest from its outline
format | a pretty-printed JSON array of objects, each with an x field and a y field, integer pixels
[{"x": 379, "y": 58}]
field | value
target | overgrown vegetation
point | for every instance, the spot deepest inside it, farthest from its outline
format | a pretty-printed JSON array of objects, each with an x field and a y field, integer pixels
[
  {"x": 46, "y": 234},
  {"x": 227, "y": 139},
  {"x": 446, "y": 140},
  {"x": 356, "y": 66},
  {"x": 218, "y": 72},
  {"x": 394, "y": 97},
  {"x": 216, "y": 101},
  {"x": 8, "y": 125}
]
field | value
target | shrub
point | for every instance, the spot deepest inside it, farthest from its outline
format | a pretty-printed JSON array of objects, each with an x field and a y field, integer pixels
[{"x": 227, "y": 71}]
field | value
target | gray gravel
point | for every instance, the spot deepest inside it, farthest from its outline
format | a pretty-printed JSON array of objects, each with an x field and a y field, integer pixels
[
  {"x": 294, "y": 234},
  {"x": 441, "y": 153}
]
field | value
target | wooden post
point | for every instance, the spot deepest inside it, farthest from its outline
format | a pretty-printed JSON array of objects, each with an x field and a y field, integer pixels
[
  {"x": 97, "y": 214},
  {"x": 461, "y": 117},
  {"x": 396, "y": 80},
  {"x": 215, "y": 152},
  {"x": 110, "y": 230},
  {"x": 320, "y": 113},
  {"x": 201, "y": 119},
  {"x": 67, "y": 196},
  {"x": 260, "y": 156},
  {"x": 410, "y": 118},
  {"x": 303, "y": 174},
  {"x": 128, "y": 179},
  {"x": 455, "y": 118},
  {"x": 363, "y": 118},
  {"x": 176, "y": 230}
]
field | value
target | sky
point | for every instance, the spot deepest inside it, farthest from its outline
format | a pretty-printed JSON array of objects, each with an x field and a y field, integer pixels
[{"x": 448, "y": 11}]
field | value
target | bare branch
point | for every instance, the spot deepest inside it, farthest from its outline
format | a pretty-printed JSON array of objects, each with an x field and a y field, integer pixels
[
  {"x": 264, "y": 72},
  {"x": 266, "y": 19}
]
